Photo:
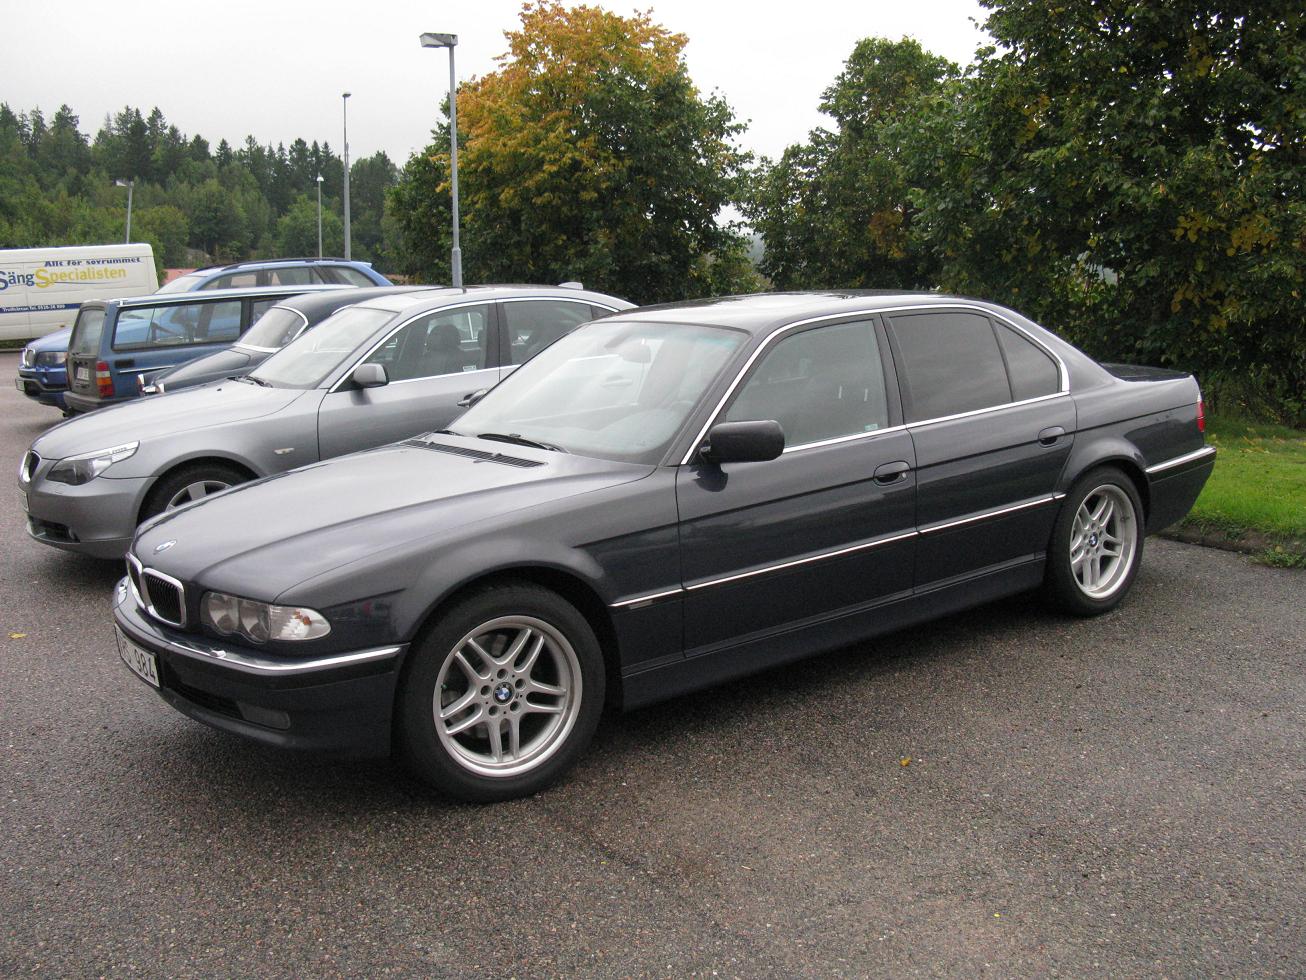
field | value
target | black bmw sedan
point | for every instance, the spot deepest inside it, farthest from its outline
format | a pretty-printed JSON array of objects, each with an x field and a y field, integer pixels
[{"x": 665, "y": 499}]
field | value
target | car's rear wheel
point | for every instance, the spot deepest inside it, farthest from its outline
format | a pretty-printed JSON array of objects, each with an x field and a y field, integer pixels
[
  {"x": 502, "y": 695},
  {"x": 189, "y": 484},
  {"x": 1097, "y": 544}
]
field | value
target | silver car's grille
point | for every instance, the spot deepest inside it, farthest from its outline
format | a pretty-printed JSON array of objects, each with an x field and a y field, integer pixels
[
  {"x": 162, "y": 596},
  {"x": 27, "y": 358},
  {"x": 27, "y": 469}
]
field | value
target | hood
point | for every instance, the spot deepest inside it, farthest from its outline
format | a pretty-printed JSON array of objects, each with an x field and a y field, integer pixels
[
  {"x": 262, "y": 538},
  {"x": 163, "y": 415},
  {"x": 211, "y": 367},
  {"x": 56, "y": 341}
]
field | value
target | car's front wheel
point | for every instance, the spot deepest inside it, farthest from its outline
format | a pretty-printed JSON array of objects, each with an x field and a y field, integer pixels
[
  {"x": 188, "y": 484},
  {"x": 1097, "y": 544},
  {"x": 502, "y": 695}
]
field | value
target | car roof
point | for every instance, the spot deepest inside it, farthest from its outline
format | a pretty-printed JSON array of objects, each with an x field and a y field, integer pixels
[
  {"x": 283, "y": 261},
  {"x": 437, "y": 296},
  {"x": 316, "y": 302},
  {"x": 762, "y": 312},
  {"x": 196, "y": 296}
]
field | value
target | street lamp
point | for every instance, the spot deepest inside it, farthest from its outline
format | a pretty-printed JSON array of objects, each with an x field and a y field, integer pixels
[
  {"x": 450, "y": 41},
  {"x": 344, "y": 101},
  {"x": 130, "y": 185},
  {"x": 319, "y": 216}
]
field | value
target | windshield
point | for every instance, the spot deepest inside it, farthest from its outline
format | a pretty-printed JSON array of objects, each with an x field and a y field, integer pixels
[
  {"x": 182, "y": 284},
  {"x": 306, "y": 362},
  {"x": 613, "y": 390},
  {"x": 274, "y": 329}
]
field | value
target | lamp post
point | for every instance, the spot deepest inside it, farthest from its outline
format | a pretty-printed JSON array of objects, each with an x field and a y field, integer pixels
[
  {"x": 319, "y": 216},
  {"x": 450, "y": 41},
  {"x": 130, "y": 185},
  {"x": 344, "y": 100}
]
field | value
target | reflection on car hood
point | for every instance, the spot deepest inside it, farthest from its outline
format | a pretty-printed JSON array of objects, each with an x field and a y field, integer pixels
[
  {"x": 265, "y": 537},
  {"x": 163, "y": 415},
  {"x": 56, "y": 341},
  {"x": 213, "y": 366}
]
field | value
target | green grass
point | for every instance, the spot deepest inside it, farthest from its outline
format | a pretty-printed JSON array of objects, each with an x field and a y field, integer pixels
[{"x": 1259, "y": 482}]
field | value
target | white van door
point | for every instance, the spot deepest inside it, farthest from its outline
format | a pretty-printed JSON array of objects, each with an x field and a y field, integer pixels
[{"x": 42, "y": 288}]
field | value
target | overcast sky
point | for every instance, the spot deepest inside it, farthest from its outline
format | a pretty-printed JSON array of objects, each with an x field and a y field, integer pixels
[{"x": 276, "y": 69}]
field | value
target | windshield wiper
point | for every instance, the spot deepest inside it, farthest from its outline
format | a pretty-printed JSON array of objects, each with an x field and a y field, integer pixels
[
  {"x": 513, "y": 437},
  {"x": 251, "y": 380}
]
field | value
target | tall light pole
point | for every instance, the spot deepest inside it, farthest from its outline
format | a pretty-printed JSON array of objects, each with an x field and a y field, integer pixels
[
  {"x": 319, "y": 216},
  {"x": 344, "y": 99},
  {"x": 130, "y": 185},
  {"x": 450, "y": 41}
]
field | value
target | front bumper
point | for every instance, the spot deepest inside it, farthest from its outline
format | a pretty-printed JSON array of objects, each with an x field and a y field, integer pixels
[
  {"x": 339, "y": 704},
  {"x": 46, "y": 385},
  {"x": 97, "y": 518}
]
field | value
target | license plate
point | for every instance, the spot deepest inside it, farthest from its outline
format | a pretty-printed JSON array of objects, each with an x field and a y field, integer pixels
[
  {"x": 142, "y": 662},
  {"x": 23, "y": 497},
  {"x": 82, "y": 373},
  {"x": 18, "y": 383}
]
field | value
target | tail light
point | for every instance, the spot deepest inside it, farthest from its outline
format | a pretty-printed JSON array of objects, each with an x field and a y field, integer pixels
[
  {"x": 1201, "y": 415},
  {"x": 103, "y": 379}
]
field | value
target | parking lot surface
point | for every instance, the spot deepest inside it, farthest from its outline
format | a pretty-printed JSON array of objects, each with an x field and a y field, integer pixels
[{"x": 1006, "y": 792}]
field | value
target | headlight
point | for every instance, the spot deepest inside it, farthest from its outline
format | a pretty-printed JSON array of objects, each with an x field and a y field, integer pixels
[
  {"x": 76, "y": 470},
  {"x": 259, "y": 622},
  {"x": 51, "y": 358}
]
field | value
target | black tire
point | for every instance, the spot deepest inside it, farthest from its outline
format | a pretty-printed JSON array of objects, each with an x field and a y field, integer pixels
[
  {"x": 1069, "y": 583},
  {"x": 214, "y": 476},
  {"x": 556, "y": 652}
]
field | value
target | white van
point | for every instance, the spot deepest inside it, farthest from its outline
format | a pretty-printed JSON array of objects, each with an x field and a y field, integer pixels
[{"x": 41, "y": 288}]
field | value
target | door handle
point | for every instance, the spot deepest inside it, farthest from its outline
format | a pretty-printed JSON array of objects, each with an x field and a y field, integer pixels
[
  {"x": 892, "y": 472},
  {"x": 1051, "y": 434}
]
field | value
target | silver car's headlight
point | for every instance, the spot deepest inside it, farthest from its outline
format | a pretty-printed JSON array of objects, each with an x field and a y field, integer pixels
[
  {"x": 259, "y": 622},
  {"x": 76, "y": 470}
]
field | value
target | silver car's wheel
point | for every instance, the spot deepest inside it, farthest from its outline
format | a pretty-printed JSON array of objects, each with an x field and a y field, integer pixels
[
  {"x": 1102, "y": 541},
  {"x": 1097, "y": 543},
  {"x": 507, "y": 696},
  {"x": 501, "y": 693},
  {"x": 195, "y": 491}
]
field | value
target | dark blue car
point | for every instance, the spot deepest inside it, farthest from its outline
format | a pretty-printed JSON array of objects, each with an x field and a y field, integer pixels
[{"x": 42, "y": 368}]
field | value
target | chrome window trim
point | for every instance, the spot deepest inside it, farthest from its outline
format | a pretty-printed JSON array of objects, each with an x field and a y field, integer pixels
[
  {"x": 1063, "y": 373},
  {"x": 984, "y": 516},
  {"x": 559, "y": 299},
  {"x": 260, "y": 350},
  {"x": 381, "y": 343},
  {"x": 1192, "y": 457}
]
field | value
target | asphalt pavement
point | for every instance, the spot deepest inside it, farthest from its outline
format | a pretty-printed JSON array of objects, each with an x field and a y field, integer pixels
[{"x": 1006, "y": 792}]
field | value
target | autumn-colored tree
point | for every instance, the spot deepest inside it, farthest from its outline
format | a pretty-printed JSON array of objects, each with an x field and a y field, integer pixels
[{"x": 587, "y": 155}]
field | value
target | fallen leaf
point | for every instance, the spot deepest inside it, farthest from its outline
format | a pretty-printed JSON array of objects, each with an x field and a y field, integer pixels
[{"x": 17, "y": 636}]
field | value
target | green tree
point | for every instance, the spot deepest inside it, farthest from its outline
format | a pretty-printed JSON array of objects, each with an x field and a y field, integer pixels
[
  {"x": 589, "y": 155},
  {"x": 1131, "y": 173},
  {"x": 837, "y": 211},
  {"x": 296, "y": 232}
]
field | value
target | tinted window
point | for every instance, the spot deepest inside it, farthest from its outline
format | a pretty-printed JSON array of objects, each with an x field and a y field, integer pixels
[
  {"x": 182, "y": 284},
  {"x": 296, "y": 276},
  {"x": 86, "y": 331},
  {"x": 951, "y": 364},
  {"x": 240, "y": 279},
  {"x": 177, "y": 325},
  {"x": 818, "y": 384},
  {"x": 1033, "y": 372},
  {"x": 446, "y": 342},
  {"x": 536, "y": 323},
  {"x": 345, "y": 274}
]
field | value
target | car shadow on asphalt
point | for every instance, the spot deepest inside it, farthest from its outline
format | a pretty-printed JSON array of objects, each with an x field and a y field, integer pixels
[{"x": 198, "y": 769}]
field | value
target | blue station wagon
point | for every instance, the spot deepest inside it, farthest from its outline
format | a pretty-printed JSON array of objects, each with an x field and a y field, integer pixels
[{"x": 118, "y": 344}]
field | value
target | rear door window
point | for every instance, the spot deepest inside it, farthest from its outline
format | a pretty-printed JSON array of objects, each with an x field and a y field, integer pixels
[
  {"x": 949, "y": 363},
  {"x": 344, "y": 275},
  {"x": 533, "y": 324}
]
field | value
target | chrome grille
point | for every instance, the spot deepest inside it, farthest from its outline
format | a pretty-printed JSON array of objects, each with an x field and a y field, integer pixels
[
  {"x": 165, "y": 599},
  {"x": 27, "y": 469},
  {"x": 28, "y": 356}
]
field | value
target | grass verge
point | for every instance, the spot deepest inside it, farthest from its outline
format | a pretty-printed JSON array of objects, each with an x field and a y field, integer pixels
[{"x": 1255, "y": 500}]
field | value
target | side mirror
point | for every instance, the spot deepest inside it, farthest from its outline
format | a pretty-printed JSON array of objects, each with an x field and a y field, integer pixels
[
  {"x": 467, "y": 401},
  {"x": 370, "y": 376},
  {"x": 743, "y": 442}
]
